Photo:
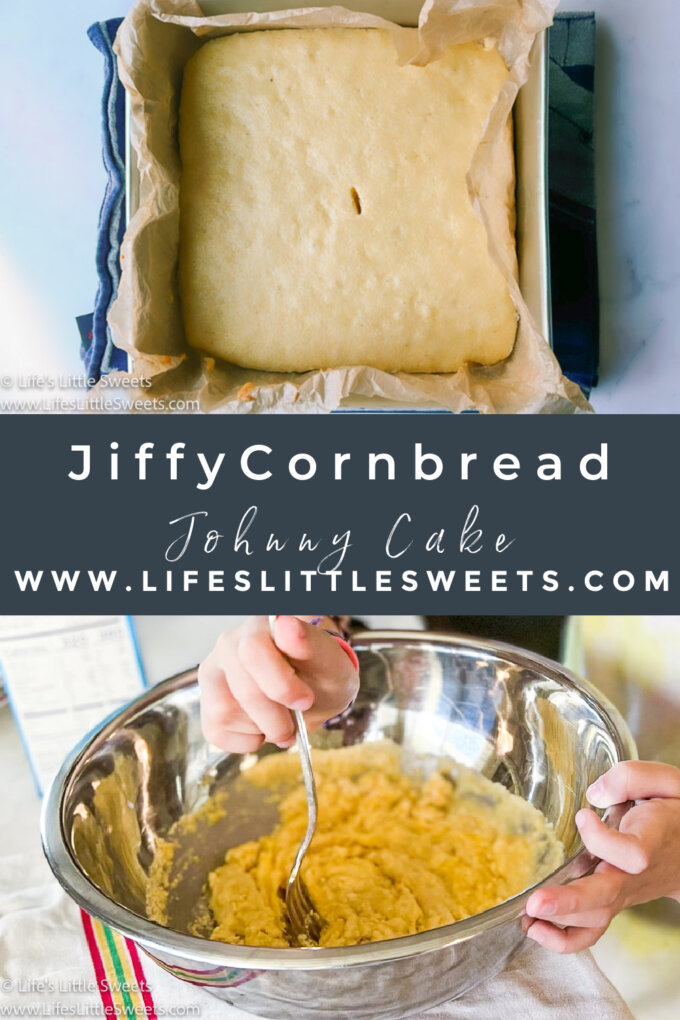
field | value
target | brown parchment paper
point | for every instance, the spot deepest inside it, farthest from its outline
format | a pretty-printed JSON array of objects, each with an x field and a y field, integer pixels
[{"x": 153, "y": 45}]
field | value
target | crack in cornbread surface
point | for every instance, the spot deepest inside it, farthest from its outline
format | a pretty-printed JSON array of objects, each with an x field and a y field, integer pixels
[
  {"x": 325, "y": 213},
  {"x": 393, "y": 854}
]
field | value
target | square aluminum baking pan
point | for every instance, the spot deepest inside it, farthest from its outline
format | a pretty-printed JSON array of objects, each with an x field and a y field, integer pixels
[{"x": 531, "y": 148}]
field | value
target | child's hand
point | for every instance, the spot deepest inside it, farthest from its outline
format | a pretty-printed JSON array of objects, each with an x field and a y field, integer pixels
[
  {"x": 639, "y": 862},
  {"x": 250, "y": 681}
]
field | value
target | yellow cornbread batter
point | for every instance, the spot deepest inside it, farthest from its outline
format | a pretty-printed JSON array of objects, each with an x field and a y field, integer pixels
[{"x": 394, "y": 853}]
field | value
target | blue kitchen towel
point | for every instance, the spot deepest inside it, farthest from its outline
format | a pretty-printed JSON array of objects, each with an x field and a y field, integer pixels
[
  {"x": 573, "y": 246},
  {"x": 97, "y": 349}
]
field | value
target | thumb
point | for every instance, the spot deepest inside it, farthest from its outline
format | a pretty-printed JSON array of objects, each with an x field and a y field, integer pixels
[
  {"x": 305, "y": 644},
  {"x": 293, "y": 637}
]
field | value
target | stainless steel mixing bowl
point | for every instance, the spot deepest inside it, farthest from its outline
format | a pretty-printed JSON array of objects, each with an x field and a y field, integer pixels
[{"x": 518, "y": 719}]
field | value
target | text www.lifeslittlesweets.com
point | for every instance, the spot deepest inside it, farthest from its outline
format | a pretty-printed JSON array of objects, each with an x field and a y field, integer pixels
[{"x": 330, "y": 581}]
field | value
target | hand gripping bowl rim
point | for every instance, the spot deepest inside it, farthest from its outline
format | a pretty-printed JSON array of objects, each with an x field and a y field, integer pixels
[{"x": 156, "y": 937}]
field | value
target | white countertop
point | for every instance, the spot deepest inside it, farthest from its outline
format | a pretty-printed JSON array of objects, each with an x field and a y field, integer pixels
[{"x": 53, "y": 182}]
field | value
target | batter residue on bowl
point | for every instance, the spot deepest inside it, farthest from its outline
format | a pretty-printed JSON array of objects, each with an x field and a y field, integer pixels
[{"x": 394, "y": 853}]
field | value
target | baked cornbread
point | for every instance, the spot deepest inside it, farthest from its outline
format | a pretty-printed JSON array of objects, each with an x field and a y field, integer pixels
[{"x": 325, "y": 214}]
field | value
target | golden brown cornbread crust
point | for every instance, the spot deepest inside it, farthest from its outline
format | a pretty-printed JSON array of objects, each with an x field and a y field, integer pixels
[{"x": 325, "y": 215}]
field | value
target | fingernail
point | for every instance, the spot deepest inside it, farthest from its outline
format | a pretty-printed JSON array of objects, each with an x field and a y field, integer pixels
[
  {"x": 546, "y": 907},
  {"x": 284, "y": 744},
  {"x": 595, "y": 789},
  {"x": 302, "y": 704},
  {"x": 298, "y": 626},
  {"x": 581, "y": 817}
]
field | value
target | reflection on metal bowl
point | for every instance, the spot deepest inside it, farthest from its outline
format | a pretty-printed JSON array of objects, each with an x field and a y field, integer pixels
[{"x": 516, "y": 718}]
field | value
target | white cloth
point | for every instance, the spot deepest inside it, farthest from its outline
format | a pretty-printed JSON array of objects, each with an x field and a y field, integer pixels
[
  {"x": 538, "y": 985},
  {"x": 44, "y": 959}
]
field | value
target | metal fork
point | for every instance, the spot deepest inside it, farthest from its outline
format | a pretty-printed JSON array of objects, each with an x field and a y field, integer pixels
[{"x": 304, "y": 921}]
